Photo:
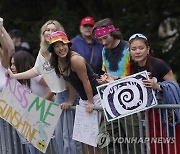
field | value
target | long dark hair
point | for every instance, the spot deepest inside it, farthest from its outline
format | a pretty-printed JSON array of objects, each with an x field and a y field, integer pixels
[
  {"x": 23, "y": 61},
  {"x": 55, "y": 64},
  {"x": 134, "y": 67}
]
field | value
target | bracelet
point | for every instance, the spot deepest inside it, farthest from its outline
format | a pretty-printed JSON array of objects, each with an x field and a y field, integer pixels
[{"x": 159, "y": 88}]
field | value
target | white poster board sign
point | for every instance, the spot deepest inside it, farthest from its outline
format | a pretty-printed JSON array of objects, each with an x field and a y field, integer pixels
[
  {"x": 126, "y": 96},
  {"x": 34, "y": 117},
  {"x": 86, "y": 127}
]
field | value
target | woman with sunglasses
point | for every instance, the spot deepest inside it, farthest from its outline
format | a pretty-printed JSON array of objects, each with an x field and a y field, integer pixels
[
  {"x": 142, "y": 59},
  {"x": 158, "y": 71}
]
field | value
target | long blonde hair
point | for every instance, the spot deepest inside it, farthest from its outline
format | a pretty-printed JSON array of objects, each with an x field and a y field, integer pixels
[{"x": 44, "y": 44}]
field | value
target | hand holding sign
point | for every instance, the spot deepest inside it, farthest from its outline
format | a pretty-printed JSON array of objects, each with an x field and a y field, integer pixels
[{"x": 126, "y": 96}]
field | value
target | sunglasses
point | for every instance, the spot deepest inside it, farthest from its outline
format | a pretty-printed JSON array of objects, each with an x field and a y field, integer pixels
[{"x": 137, "y": 35}]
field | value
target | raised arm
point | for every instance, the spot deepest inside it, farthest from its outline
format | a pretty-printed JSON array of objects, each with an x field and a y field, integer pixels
[
  {"x": 6, "y": 44},
  {"x": 24, "y": 75}
]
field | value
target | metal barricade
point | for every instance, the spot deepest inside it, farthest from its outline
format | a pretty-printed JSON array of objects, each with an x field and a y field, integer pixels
[
  {"x": 154, "y": 131},
  {"x": 10, "y": 142},
  {"x": 159, "y": 132}
]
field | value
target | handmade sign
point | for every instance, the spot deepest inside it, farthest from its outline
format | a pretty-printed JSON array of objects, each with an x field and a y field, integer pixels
[
  {"x": 32, "y": 116},
  {"x": 86, "y": 126},
  {"x": 126, "y": 96}
]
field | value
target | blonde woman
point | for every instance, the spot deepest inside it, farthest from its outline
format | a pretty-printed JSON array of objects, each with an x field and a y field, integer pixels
[
  {"x": 42, "y": 66},
  {"x": 63, "y": 131}
]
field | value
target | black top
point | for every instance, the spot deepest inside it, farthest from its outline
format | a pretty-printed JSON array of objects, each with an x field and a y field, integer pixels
[
  {"x": 157, "y": 67},
  {"x": 77, "y": 84}
]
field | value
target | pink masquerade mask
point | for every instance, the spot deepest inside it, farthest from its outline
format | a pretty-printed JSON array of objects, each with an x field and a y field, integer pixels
[{"x": 100, "y": 31}]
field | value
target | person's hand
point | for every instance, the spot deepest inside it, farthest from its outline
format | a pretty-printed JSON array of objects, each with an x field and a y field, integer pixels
[
  {"x": 110, "y": 78},
  {"x": 1, "y": 23},
  {"x": 66, "y": 105},
  {"x": 102, "y": 79},
  {"x": 90, "y": 107},
  {"x": 9, "y": 73},
  {"x": 151, "y": 83},
  {"x": 106, "y": 78}
]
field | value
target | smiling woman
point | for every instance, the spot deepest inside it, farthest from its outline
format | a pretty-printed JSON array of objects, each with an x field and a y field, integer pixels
[
  {"x": 75, "y": 70},
  {"x": 42, "y": 67},
  {"x": 142, "y": 59},
  {"x": 71, "y": 66}
]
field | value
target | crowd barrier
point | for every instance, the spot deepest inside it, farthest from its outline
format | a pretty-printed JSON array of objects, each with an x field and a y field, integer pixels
[{"x": 154, "y": 131}]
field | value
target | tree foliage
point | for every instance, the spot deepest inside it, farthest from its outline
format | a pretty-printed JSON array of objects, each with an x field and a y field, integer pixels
[{"x": 157, "y": 19}]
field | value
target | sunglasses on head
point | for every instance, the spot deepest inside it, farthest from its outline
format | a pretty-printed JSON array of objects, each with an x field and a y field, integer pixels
[{"x": 137, "y": 35}]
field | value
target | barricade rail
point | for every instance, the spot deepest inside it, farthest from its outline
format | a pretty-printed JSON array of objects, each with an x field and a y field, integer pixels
[{"x": 153, "y": 131}]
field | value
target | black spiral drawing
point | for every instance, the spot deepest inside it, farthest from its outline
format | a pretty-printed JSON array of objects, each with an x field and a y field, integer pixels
[
  {"x": 127, "y": 96},
  {"x": 127, "y": 99}
]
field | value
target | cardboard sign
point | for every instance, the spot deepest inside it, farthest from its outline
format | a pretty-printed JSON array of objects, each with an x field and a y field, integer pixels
[
  {"x": 32, "y": 116},
  {"x": 126, "y": 96},
  {"x": 86, "y": 126}
]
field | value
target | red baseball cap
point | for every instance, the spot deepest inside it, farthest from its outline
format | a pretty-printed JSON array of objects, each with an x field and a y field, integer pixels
[{"x": 87, "y": 21}]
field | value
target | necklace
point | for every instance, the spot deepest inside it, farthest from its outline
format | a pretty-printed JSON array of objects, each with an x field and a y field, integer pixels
[
  {"x": 62, "y": 71},
  {"x": 62, "y": 67}
]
